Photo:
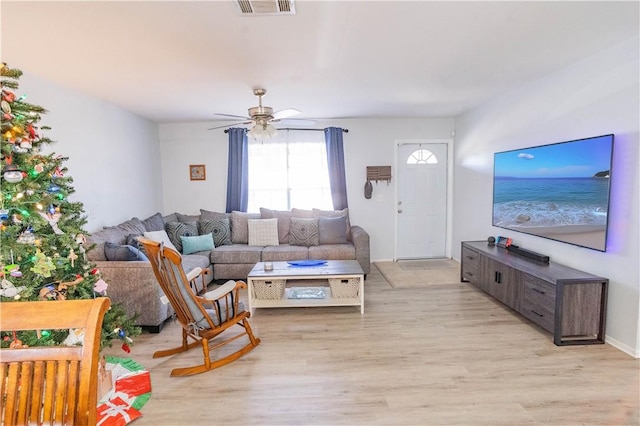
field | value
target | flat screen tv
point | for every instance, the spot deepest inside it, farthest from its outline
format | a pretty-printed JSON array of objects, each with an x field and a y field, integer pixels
[{"x": 558, "y": 191}]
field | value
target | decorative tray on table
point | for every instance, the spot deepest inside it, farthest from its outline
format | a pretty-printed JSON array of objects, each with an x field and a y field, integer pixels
[{"x": 309, "y": 262}]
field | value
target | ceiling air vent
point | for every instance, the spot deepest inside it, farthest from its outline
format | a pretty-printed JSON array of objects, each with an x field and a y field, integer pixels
[{"x": 266, "y": 7}]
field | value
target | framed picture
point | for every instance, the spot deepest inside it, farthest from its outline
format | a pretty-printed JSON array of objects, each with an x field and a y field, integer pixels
[{"x": 197, "y": 172}]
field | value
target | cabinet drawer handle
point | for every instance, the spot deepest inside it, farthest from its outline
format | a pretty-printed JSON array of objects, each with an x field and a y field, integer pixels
[
  {"x": 537, "y": 290},
  {"x": 537, "y": 313}
]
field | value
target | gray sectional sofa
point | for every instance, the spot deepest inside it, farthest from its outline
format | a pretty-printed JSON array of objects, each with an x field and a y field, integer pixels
[{"x": 239, "y": 241}]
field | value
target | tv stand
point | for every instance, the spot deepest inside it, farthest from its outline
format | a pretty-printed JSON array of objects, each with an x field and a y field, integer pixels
[{"x": 569, "y": 303}]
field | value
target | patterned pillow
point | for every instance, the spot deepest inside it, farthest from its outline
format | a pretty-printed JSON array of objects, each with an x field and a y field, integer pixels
[
  {"x": 263, "y": 232},
  {"x": 220, "y": 229},
  {"x": 304, "y": 232},
  {"x": 175, "y": 230}
]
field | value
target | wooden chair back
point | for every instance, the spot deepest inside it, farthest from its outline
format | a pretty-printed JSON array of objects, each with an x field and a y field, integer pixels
[
  {"x": 167, "y": 266},
  {"x": 51, "y": 384}
]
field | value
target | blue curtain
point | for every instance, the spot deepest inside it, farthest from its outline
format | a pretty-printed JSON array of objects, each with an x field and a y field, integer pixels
[
  {"x": 335, "y": 162},
  {"x": 238, "y": 171}
]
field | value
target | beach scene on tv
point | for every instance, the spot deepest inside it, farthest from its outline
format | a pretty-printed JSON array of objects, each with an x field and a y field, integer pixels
[{"x": 558, "y": 191}]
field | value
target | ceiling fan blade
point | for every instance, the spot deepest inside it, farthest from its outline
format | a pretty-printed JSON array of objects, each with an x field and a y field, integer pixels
[
  {"x": 285, "y": 113},
  {"x": 231, "y": 125},
  {"x": 297, "y": 122},
  {"x": 233, "y": 116}
]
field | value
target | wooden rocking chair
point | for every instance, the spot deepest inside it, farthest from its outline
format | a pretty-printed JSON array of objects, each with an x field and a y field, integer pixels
[
  {"x": 202, "y": 317},
  {"x": 51, "y": 384}
]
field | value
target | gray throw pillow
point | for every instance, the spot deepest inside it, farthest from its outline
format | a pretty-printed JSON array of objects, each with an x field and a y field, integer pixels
[
  {"x": 115, "y": 252},
  {"x": 220, "y": 228},
  {"x": 240, "y": 226},
  {"x": 132, "y": 240},
  {"x": 175, "y": 230},
  {"x": 332, "y": 230},
  {"x": 304, "y": 232},
  {"x": 154, "y": 223},
  {"x": 284, "y": 222}
]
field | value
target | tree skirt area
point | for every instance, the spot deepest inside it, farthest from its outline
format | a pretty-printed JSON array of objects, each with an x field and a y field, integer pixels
[
  {"x": 420, "y": 273},
  {"x": 126, "y": 387}
]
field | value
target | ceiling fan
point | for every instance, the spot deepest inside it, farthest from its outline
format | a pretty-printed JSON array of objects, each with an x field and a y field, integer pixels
[{"x": 261, "y": 116}]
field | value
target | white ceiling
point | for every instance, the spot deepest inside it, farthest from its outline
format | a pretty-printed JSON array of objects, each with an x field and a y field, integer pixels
[{"x": 173, "y": 61}]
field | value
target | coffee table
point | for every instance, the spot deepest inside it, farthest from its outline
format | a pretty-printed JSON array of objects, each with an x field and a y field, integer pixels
[{"x": 299, "y": 279}]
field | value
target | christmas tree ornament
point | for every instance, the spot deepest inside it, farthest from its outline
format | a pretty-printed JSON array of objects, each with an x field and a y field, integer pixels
[
  {"x": 4, "y": 214},
  {"x": 5, "y": 106},
  {"x": 72, "y": 258},
  {"x": 12, "y": 173},
  {"x": 100, "y": 286},
  {"x": 26, "y": 237},
  {"x": 43, "y": 264},
  {"x": 8, "y": 289},
  {"x": 52, "y": 219}
]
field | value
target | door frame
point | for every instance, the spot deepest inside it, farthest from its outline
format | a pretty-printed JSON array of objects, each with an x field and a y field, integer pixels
[{"x": 449, "y": 218}]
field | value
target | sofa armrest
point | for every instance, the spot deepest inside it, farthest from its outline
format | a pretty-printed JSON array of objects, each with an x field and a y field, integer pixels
[
  {"x": 360, "y": 239},
  {"x": 134, "y": 286}
]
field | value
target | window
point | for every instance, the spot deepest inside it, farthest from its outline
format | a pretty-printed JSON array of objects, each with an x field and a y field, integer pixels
[
  {"x": 422, "y": 156},
  {"x": 289, "y": 170}
]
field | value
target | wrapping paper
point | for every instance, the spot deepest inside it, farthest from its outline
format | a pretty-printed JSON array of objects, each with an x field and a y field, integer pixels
[{"x": 116, "y": 412}]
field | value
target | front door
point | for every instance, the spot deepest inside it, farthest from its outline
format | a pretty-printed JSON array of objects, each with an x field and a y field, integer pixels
[{"x": 421, "y": 209}]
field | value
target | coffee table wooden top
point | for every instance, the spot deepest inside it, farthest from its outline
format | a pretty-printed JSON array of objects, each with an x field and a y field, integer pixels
[{"x": 284, "y": 270}]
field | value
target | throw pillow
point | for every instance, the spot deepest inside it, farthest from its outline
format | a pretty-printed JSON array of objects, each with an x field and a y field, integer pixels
[
  {"x": 175, "y": 230},
  {"x": 332, "y": 230},
  {"x": 240, "y": 226},
  {"x": 304, "y": 232},
  {"x": 115, "y": 252},
  {"x": 284, "y": 222},
  {"x": 317, "y": 213},
  {"x": 197, "y": 243},
  {"x": 132, "y": 240},
  {"x": 160, "y": 237},
  {"x": 209, "y": 215},
  {"x": 263, "y": 232},
  {"x": 301, "y": 213},
  {"x": 154, "y": 223},
  {"x": 219, "y": 228}
]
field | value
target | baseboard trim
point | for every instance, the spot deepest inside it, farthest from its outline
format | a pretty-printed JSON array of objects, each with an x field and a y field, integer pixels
[{"x": 621, "y": 346}]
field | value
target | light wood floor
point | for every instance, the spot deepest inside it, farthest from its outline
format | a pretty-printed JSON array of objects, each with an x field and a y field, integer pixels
[{"x": 426, "y": 356}]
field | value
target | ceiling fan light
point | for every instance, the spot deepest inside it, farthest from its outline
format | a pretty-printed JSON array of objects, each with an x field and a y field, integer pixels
[{"x": 262, "y": 131}]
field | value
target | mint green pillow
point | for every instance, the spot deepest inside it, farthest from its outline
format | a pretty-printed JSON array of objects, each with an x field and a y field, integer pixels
[{"x": 197, "y": 243}]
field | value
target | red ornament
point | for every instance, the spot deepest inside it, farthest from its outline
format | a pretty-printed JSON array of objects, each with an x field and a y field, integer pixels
[
  {"x": 126, "y": 348},
  {"x": 94, "y": 271}
]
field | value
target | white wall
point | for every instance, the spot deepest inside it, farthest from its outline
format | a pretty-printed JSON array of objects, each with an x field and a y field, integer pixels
[
  {"x": 113, "y": 154},
  {"x": 369, "y": 142},
  {"x": 596, "y": 96}
]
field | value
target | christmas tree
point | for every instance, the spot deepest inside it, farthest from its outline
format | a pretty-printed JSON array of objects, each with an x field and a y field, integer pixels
[{"x": 43, "y": 244}]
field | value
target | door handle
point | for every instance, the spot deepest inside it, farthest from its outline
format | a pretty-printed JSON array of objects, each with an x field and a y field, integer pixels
[{"x": 399, "y": 210}]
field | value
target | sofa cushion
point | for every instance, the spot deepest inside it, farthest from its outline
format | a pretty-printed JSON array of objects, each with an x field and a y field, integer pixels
[
  {"x": 192, "y": 261},
  {"x": 132, "y": 226},
  {"x": 284, "y": 252},
  {"x": 160, "y": 237},
  {"x": 188, "y": 218},
  {"x": 196, "y": 243},
  {"x": 284, "y": 222},
  {"x": 263, "y": 232},
  {"x": 236, "y": 253},
  {"x": 209, "y": 215},
  {"x": 332, "y": 230},
  {"x": 153, "y": 223},
  {"x": 240, "y": 226},
  {"x": 317, "y": 213},
  {"x": 111, "y": 234},
  {"x": 304, "y": 232},
  {"x": 333, "y": 252},
  {"x": 301, "y": 213},
  {"x": 116, "y": 252},
  {"x": 175, "y": 230},
  {"x": 220, "y": 228}
]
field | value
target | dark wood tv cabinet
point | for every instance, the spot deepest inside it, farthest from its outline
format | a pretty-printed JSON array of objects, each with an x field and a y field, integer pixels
[{"x": 569, "y": 303}]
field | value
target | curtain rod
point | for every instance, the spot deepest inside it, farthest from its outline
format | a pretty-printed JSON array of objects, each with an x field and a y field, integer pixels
[{"x": 310, "y": 130}]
